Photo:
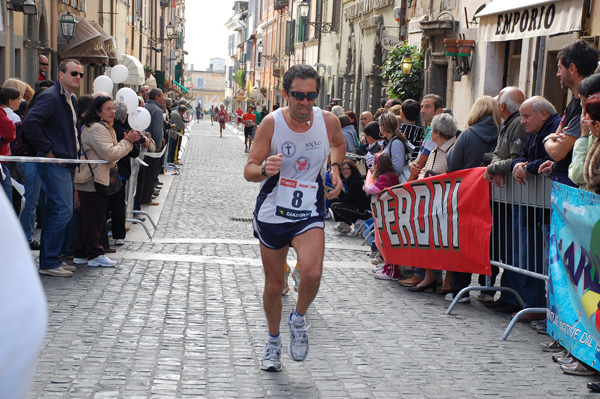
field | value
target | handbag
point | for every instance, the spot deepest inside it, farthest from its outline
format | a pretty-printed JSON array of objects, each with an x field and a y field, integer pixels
[{"x": 114, "y": 181}]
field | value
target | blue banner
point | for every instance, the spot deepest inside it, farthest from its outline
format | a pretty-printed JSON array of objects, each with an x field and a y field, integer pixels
[{"x": 574, "y": 285}]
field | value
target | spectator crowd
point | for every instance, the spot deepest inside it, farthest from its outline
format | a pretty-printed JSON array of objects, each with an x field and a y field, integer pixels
[{"x": 71, "y": 200}]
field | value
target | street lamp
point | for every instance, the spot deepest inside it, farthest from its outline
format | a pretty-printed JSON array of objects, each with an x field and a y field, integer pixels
[
  {"x": 170, "y": 29},
  {"x": 320, "y": 27},
  {"x": 27, "y": 7},
  {"x": 406, "y": 64},
  {"x": 68, "y": 26}
]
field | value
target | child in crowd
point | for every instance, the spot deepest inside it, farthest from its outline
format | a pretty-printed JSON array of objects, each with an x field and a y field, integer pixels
[{"x": 384, "y": 177}]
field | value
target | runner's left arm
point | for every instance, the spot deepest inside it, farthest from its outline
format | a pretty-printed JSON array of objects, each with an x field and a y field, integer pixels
[{"x": 338, "y": 151}]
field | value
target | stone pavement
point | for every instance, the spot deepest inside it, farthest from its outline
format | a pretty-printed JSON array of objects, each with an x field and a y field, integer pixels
[{"x": 181, "y": 316}]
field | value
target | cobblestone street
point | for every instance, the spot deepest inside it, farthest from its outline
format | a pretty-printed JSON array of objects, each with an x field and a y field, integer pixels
[{"x": 181, "y": 316}]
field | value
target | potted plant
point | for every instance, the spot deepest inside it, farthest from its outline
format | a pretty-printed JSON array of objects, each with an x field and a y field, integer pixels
[
  {"x": 465, "y": 46},
  {"x": 451, "y": 45},
  {"x": 263, "y": 91}
]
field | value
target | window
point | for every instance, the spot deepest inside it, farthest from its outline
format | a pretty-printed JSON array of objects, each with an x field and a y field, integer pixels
[
  {"x": 199, "y": 83},
  {"x": 335, "y": 18}
]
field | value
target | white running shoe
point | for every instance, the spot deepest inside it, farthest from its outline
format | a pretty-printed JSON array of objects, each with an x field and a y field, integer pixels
[
  {"x": 80, "y": 261},
  {"x": 298, "y": 346},
  {"x": 271, "y": 361},
  {"x": 378, "y": 268},
  {"x": 449, "y": 297},
  {"x": 102, "y": 261},
  {"x": 119, "y": 241}
]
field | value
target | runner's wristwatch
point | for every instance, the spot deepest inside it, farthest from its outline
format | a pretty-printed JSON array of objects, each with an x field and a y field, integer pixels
[{"x": 263, "y": 171}]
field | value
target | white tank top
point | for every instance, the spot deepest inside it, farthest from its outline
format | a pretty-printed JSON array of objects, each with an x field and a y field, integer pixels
[{"x": 297, "y": 192}]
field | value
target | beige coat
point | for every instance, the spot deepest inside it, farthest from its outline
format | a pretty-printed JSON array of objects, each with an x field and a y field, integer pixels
[{"x": 100, "y": 142}]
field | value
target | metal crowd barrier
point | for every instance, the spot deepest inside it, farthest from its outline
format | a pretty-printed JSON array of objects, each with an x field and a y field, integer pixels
[{"x": 520, "y": 231}]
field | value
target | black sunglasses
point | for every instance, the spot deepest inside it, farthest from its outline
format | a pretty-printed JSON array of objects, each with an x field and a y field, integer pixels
[
  {"x": 75, "y": 73},
  {"x": 44, "y": 63},
  {"x": 310, "y": 96}
]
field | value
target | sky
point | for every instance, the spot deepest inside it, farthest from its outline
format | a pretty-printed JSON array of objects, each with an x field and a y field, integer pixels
[{"x": 205, "y": 32}]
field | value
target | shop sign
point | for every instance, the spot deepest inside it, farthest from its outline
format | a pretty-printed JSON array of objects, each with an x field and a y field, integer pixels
[
  {"x": 77, "y": 4},
  {"x": 499, "y": 23},
  {"x": 363, "y": 7}
]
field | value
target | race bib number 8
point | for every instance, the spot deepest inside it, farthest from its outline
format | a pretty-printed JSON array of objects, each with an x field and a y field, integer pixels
[{"x": 295, "y": 198}]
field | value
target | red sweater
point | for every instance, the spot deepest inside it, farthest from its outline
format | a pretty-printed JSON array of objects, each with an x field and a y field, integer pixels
[{"x": 7, "y": 133}]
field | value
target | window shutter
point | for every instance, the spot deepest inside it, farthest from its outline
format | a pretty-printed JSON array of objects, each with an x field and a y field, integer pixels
[
  {"x": 335, "y": 18},
  {"x": 289, "y": 38}
]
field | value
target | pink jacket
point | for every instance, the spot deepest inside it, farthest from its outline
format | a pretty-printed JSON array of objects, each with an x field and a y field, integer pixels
[{"x": 388, "y": 180}]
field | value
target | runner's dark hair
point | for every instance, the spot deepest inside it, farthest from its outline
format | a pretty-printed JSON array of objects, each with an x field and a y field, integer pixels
[{"x": 301, "y": 71}]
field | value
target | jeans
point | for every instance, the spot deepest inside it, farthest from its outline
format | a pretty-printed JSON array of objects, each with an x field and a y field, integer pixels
[
  {"x": 7, "y": 183},
  {"x": 57, "y": 183},
  {"x": 32, "y": 184}
]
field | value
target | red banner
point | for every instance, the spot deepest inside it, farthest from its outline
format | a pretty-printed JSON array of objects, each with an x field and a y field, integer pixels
[{"x": 441, "y": 222}]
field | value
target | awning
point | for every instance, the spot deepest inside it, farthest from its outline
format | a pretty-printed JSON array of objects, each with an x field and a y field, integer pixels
[
  {"x": 136, "y": 70},
  {"x": 518, "y": 19},
  {"x": 110, "y": 45},
  {"x": 151, "y": 82},
  {"x": 87, "y": 46}
]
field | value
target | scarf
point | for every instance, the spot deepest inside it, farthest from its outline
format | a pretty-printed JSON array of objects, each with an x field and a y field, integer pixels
[{"x": 591, "y": 170}]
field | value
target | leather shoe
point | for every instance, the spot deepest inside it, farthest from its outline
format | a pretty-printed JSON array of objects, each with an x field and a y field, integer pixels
[
  {"x": 34, "y": 245},
  {"x": 495, "y": 304},
  {"x": 577, "y": 368},
  {"x": 529, "y": 317},
  {"x": 410, "y": 282},
  {"x": 444, "y": 290},
  {"x": 551, "y": 346},
  {"x": 110, "y": 251},
  {"x": 508, "y": 308},
  {"x": 69, "y": 268},
  {"x": 594, "y": 386},
  {"x": 153, "y": 203},
  {"x": 431, "y": 286}
]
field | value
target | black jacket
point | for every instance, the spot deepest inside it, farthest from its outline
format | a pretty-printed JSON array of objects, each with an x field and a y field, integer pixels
[{"x": 124, "y": 164}]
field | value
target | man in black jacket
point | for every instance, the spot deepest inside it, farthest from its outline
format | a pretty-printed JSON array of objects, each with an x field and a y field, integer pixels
[{"x": 50, "y": 126}]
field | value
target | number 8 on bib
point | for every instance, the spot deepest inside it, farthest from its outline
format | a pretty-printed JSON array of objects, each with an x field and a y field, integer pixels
[{"x": 295, "y": 199}]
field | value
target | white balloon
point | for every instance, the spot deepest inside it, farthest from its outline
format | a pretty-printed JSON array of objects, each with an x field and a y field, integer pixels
[
  {"x": 140, "y": 119},
  {"x": 103, "y": 84},
  {"x": 119, "y": 73},
  {"x": 129, "y": 98}
]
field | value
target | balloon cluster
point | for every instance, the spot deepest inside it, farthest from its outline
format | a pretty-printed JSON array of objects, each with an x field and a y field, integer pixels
[{"x": 139, "y": 118}]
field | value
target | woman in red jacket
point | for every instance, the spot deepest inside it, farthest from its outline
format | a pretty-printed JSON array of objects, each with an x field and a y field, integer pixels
[{"x": 7, "y": 135}]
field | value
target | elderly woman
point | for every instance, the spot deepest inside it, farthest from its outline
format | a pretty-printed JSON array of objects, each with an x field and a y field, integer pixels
[
  {"x": 395, "y": 144},
  {"x": 479, "y": 137},
  {"x": 443, "y": 129},
  {"x": 116, "y": 202},
  {"x": 98, "y": 141}
]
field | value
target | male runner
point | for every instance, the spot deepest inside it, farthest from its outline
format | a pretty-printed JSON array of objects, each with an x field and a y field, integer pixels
[
  {"x": 289, "y": 158},
  {"x": 249, "y": 121},
  {"x": 222, "y": 118}
]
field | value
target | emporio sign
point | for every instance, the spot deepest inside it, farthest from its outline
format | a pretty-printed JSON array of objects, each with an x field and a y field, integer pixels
[
  {"x": 511, "y": 20},
  {"x": 363, "y": 7}
]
